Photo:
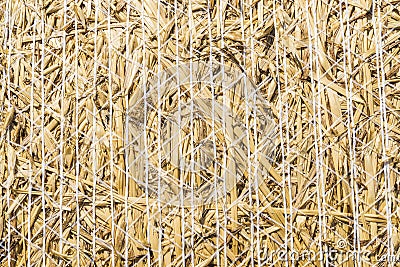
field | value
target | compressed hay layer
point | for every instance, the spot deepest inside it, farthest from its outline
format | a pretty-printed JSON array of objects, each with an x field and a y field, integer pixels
[{"x": 69, "y": 71}]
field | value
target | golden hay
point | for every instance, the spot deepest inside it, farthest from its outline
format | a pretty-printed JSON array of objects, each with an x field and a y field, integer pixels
[{"x": 69, "y": 70}]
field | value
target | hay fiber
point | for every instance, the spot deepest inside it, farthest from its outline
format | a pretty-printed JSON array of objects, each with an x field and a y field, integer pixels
[{"x": 84, "y": 139}]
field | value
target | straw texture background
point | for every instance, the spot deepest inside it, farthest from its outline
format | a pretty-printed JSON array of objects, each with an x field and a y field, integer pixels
[{"x": 69, "y": 69}]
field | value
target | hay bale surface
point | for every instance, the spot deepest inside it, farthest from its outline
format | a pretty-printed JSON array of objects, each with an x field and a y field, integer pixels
[{"x": 71, "y": 69}]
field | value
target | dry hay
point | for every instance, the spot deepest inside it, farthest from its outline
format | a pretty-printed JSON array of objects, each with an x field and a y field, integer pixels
[{"x": 69, "y": 70}]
